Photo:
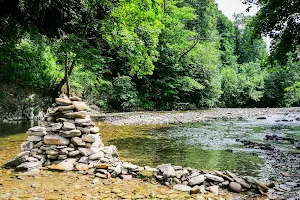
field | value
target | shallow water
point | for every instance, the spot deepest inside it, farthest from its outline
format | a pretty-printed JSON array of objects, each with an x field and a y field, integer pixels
[{"x": 210, "y": 145}]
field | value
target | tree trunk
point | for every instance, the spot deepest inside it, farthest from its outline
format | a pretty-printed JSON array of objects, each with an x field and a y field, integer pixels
[{"x": 67, "y": 74}]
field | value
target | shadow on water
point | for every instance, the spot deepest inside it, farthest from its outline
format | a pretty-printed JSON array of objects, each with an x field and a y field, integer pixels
[{"x": 12, "y": 128}]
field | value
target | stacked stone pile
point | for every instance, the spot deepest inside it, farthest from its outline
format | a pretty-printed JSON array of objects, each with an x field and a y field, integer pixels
[
  {"x": 69, "y": 140},
  {"x": 197, "y": 181}
]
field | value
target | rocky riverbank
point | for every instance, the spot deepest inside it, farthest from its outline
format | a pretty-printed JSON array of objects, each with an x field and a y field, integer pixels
[
  {"x": 69, "y": 141},
  {"x": 274, "y": 114}
]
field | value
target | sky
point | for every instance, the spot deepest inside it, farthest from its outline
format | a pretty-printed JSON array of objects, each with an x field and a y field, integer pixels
[{"x": 229, "y": 7}]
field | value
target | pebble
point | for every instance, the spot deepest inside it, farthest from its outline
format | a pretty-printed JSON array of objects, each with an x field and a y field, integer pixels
[{"x": 235, "y": 187}]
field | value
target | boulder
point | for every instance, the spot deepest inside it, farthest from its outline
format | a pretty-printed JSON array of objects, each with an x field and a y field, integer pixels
[{"x": 56, "y": 140}]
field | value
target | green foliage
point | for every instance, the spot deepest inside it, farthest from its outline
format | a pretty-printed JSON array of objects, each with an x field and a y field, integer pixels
[
  {"x": 133, "y": 30},
  {"x": 242, "y": 85}
]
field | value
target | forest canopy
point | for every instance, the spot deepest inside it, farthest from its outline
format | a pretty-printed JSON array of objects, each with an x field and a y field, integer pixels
[{"x": 152, "y": 54}]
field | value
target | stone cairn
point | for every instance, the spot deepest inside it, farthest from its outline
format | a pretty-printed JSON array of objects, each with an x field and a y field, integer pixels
[{"x": 69, "y": 140}]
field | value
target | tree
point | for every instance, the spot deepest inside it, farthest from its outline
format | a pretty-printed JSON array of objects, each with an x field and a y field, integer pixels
[{"x": 280, "y": 20}]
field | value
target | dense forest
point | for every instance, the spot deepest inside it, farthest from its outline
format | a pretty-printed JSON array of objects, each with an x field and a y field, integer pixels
[{"x": 149, "y": 54}]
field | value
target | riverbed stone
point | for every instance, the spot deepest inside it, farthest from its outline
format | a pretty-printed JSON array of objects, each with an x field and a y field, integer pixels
[
  {"x": 242, "y": 182},
  {"x": 52, "y": 152},
  {"x": 183, "y": 188},
  {"x": 90, "y": 138},
  {"x": 70, "y": 134},
  {"x": 81, "y": 166},
  {"x": 15, "y": 162},
  {"x": 36, "y": 133},
  {"x": 74, "y": 153},
  {"x": 67, "y": 126},
  {"x": 235, "y": 187},
  {"x": 196, "y": 180},
  {"x": 117, "y": 171}
]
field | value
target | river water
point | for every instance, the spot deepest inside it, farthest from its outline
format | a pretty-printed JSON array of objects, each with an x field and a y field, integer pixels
[{"x": 210, "y": 145}]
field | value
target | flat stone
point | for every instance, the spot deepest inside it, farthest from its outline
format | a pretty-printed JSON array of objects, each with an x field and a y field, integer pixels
[
  {"x": 74, "y": 153},
  {"x": 84, "y": 160},
  {"x": 37, "y": 129},
  {"x": 27, "y": 146},
  {"x": 15, "y": 162},
  {"x": 75, "y": 98},
  {"x": 63, "y": 102},
  {"x": 71, "y": 133},
  {"x": 27, "y": 166},
  {"x": 169, "y": 172},
  {"x": 52, "y": 152},
  {"x": 40, "y": 133},
  {"x": 293, "y": 184},
  {"x": 65, "y": 165},
  {"x": 34, "y": 138},
  {"x": 56, "y": 127},
  {"x": 74, "y": 115},
  {"x": 103, "y": 166},
  {"x": 77, "y": 141},
  {"x": 104, "y": 176},
  {"x": 56, "y": 140},
  {"x": 67, "y": 126},
  {"x": 196, "y": 180},
  {"x": 96, "y": 156},
  {"x": 214, "y": 178},
  {"x": 81, "y": 166},
  {"x": 64, "y": 108},
  {"x": 183, "y": 188},
  {"x": 79, "y": 106},
  {"x": 235, "y": 187},
  {"x": 95, "y": 130}
]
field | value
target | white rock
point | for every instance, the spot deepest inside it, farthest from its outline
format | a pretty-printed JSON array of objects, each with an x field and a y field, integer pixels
[
  {"x": 197, "y": 180},
  {"x": 183, "y": 188}
]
